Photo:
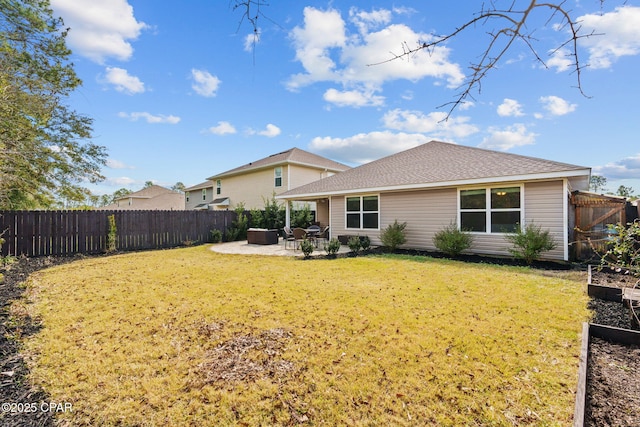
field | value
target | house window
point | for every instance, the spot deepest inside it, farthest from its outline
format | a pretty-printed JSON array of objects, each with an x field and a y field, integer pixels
[
  {"x": 277, "y": 172},
  {"x": 186, "y": 195},
  {"x": 218, "y": 187},
  {"x": 362, "y": 212},
  {"x": 204, "y": 194},
  {"x": 496, "y": 210}
]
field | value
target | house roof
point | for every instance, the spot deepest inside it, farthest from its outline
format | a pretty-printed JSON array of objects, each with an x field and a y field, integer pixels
[
  {"x": 206, "y": 184},
  {"x": 291, "y": 156},
  {"x": 437, "y": 164},
  {"x": 148, "y": 193}
]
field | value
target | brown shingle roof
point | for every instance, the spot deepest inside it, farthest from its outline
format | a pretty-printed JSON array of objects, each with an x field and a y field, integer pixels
[
  {"x": 293, "y": 156},
  {"x": 437, "y": 164}
]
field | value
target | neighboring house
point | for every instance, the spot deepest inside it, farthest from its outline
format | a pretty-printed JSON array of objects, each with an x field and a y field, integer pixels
[
  {"x": 435, "y": 184},
  {"x": 154, "y": 197},
  {"x": 257, "y": 181}
]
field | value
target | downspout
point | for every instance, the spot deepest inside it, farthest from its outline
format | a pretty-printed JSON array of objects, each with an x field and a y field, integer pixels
[{"x": 565, "y": 216}]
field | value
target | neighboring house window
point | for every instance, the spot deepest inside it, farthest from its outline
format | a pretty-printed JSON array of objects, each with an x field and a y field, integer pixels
[
  {"x": 493, "y": 210},
  {"x": 218, "y": 186},
  {"x": 204, "y": 194},
  {"x": 362, "y": 212},
  {"x": 278, "y": 176},
  {"x": 186, "y": 195}
]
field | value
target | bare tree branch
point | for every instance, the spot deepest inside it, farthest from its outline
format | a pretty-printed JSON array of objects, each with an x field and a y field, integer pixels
[{"x": 509, "y": 26}]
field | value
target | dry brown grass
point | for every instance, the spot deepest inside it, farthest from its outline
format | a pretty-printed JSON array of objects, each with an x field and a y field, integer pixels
[{"x": 192, "y": 337}]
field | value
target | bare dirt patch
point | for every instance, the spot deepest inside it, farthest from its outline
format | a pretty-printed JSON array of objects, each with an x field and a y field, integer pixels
[{"x": 246, "y": 358}]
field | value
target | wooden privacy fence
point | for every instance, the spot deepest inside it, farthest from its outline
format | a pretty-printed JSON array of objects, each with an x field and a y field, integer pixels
[{"x": 41, "y": 233}]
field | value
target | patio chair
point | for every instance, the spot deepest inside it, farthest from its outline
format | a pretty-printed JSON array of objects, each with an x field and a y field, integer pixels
[
  {"x": 299, "y": 234},
  {"x": 289, "y": 237},
  {"x": 324, "y": 234}
]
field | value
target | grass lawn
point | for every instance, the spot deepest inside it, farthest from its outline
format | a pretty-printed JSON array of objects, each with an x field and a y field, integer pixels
[{"x": 193, "y": 337}]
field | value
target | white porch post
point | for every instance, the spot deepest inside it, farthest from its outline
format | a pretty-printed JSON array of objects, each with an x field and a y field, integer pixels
[{"x": 287, "y": 215}]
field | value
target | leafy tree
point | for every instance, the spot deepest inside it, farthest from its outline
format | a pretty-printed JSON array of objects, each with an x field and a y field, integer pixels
[
  {"x": 179, "y": 187},
  {"x": 44, "y": 152},
  {"x": 597, "y": 183},
  {"x": 625, "y": 191},
  {"x": 148, "y": 184}
]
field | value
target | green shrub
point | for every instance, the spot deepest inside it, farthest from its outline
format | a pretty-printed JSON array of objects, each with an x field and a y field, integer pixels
[
  {"x": 530, "y": 242},
  {"x": 239, "y": 226},
  {"x": 354, "y": 244},
  {"x": 306, "y": 247},
  {"x": 394, "y": 235},
  {"x": 112, "y": 234},
  {"x": 301, "y": 218},
  {"x": 272, "y": 217},
  {"x": 216, "y": 236},
  {"x": 332, "y": 247},
  {"x": 451, "y": 240},
  {"x": 624, "y": 248},
  {"x": 365, "y": 243}
]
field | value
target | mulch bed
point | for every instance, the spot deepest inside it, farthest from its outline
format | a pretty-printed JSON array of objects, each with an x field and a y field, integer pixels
[
  {"x": 25, "y": 402},
  {"x": 613, "y": 377}
]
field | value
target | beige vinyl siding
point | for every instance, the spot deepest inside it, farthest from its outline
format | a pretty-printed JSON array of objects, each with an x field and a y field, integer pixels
[
  {"x": 427, "y": 212},
  {"x": 195, "y": 197},
  {"x": 544, "y": 206},
  {"x": 301, "y": 175}
]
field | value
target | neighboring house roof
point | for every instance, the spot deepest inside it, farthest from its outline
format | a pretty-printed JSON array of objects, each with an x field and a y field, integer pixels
[
  {"x": 437, "y": 164},
  {"x": 291, "y": 156},
  {"x": 152, "y": 197},
  {"x": 206, "y": 184}
]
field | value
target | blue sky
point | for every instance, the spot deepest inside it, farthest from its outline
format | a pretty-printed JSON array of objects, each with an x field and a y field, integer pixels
[{"x": 178, "y": 92}]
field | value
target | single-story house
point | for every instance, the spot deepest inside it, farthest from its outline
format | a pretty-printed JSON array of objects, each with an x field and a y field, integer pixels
[
  {"x": 487, "y": 192},
  {"x": 153, "y": 197},
  {"x": 257, "y": 181}
]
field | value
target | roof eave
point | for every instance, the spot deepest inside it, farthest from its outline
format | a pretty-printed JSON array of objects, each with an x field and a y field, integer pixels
[
  {"x": 442, "y": 184},
  {"x": 271, "y": 165}
]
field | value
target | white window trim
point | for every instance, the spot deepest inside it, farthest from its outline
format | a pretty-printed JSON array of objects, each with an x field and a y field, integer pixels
[
  {"x": 218, "y": 186},
  {"x": 275, "y": 176},
  {"x": 187, "y": 194},
  {"x": 204, "y": 194},
  {"x": 488, "y": 209},
  {"x": 361, "y": 196}
]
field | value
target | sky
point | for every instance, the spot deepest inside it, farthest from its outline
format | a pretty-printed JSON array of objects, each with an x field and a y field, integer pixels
[{"x": 181, "y": 91}]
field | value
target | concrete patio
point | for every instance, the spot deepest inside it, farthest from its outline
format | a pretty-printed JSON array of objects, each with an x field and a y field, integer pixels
[{"x": 244, "y": 248}]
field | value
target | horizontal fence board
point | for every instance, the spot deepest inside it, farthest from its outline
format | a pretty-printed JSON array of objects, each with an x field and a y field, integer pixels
[{"x": 64, "y": 233}]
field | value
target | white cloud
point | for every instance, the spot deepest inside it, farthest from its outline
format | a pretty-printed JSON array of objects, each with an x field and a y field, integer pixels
[
  {"x": 508, "y": 138},
  {"x": 510, "y": 108},
  {"x": 117, "y": 164},
  {"x": 367, "y": 20},
  {"x": 556, "y": 105},
  {"x": 353, "y": 98},
  {"x": 618, "y": 35},
  {"x": 99, "y": 29},
  {"x": 435, "y": 124},
  {"x": 627, "y": 168},
  {"x": 222, "y": 128},
  {"x": 270, "y": 131},
  {"x": 561, "y": 60},
  {"x": 123, "y": 81},
  {"x": 329, "y": 52},
  {"x": 204, "y": 84},
  {"x": 251, "y": 40},
  {"x": 122, "y": 181},
  {"x": 150, "y": 118},
  {"x": 365, "y": 147}
]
